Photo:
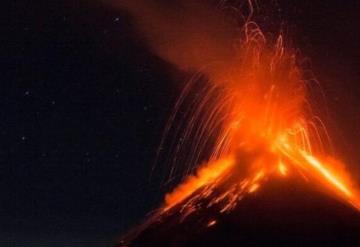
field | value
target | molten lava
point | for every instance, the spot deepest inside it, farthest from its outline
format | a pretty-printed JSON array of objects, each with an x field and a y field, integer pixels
[
  {"x": 253, "y": 116},
  {"x": 267, "y": 130}
]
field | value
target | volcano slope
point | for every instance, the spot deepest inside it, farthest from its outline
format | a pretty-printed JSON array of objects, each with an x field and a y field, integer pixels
[{"x": 281, "y": 213}]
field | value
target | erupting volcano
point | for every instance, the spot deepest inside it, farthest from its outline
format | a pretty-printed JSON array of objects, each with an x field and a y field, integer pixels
[
  {"x": 265, "y": 131},
  {"x": 251, "y": 114}
]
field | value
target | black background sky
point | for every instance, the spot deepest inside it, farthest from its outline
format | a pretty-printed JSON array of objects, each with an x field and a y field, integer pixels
[{"x": 83, "y": 103}]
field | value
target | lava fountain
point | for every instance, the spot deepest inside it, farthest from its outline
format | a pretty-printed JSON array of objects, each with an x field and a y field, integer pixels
[
  {"x": 266, "y": 131},
  {"x": 255, "y": 108}
]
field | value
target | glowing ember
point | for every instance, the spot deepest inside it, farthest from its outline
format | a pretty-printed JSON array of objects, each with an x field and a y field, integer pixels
[
  {"x": 282, "y": 169},
  {"x": 211, "y": 223}
]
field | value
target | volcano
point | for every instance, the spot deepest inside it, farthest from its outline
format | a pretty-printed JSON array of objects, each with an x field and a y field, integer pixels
[
  {"x": 283, "y": 213},
  {"x": 246, "y": 135}
]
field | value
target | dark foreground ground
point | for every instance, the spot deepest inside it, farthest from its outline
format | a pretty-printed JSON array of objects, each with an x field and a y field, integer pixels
[{"x": 282, "y": 213}]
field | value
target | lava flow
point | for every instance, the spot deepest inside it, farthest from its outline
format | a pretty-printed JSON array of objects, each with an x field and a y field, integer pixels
[{"x": 255, "y": 107}]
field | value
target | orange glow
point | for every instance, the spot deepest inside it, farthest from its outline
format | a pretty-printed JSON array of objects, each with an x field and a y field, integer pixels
[
  {"x": 259, "y": 106},
  {"x": 205, "y": 175},
  {"x": 282, "y": 169},
  {"x": 327, "y": 175},
  {"x": 253, "y": 188}
]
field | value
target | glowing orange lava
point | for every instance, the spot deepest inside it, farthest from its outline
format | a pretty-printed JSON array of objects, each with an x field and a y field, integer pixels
[{"x": 266, "y": 130}]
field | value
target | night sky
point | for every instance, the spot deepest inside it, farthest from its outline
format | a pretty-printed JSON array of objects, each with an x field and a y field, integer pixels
[{"x": 83, "y": 103}]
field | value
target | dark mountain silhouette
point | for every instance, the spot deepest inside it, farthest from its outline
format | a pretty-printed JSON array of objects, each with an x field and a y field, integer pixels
[{"x": 281, "y": 213}]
